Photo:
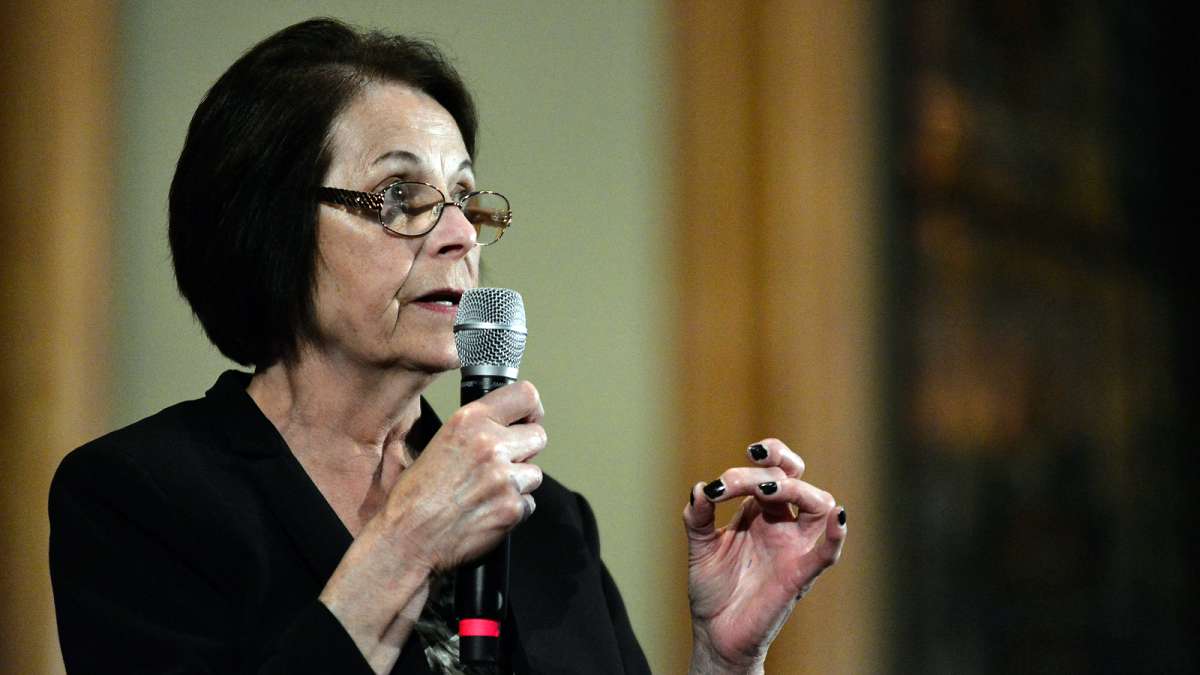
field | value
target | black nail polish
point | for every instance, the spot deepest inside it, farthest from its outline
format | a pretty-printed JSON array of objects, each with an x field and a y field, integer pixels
[
  {"x": 842, "y": 517},
  {"x": 692, "y": 497},
  {"x": 758, "y": 452},
  {"x": 769, "y": 487},
  {"x": 715, "y": 489}
]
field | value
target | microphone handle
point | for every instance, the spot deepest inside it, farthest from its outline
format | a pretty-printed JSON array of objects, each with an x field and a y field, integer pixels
[
  {"x": 481, "y": 586},
  {"x": 475, "y": 387}
]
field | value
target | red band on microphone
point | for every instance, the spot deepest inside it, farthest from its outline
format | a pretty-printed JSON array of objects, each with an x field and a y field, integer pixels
[{"x": 479, "y": 628}]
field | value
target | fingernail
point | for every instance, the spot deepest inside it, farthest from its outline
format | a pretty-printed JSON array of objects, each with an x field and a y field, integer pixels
[
  {"x": 768, "y": 488},
  {"x": 715, "y": 489},
  {"x": 758, "y": 452},
  {"x": 692, "y": 497},
  {"x": 842, "y": 517}
]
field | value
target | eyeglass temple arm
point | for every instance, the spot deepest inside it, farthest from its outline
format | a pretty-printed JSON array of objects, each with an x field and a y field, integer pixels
[{"x": 362, "y": 200}]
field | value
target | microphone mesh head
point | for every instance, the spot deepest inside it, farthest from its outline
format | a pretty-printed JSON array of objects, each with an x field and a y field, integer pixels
[{"x": 489, "y": 329}]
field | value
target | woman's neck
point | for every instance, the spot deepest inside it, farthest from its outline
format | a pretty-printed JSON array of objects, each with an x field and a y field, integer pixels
[{"x": 346, "y": 425}]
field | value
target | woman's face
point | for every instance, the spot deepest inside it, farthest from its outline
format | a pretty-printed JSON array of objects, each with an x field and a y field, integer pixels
[{"x": 382, "y": 300}]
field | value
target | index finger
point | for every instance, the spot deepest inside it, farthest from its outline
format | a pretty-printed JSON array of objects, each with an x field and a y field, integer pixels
[
  {"x": 777, "y": 453},
  {"x": 513, "y": 403}
]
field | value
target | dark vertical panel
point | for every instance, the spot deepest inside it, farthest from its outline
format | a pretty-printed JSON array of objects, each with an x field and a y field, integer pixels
[{"x": 1037, "y": 320}]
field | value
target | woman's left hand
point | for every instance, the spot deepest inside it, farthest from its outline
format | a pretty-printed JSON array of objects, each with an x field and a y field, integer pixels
[{"x": 745, "y": 578}]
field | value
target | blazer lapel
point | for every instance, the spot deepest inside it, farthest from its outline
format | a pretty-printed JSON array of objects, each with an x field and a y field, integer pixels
[{"x": 309, "y": 521}]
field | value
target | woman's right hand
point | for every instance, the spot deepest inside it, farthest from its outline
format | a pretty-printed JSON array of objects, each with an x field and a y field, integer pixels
[
  {"x": 472, "y": 483},
  {"x": 469, "y": 487}
]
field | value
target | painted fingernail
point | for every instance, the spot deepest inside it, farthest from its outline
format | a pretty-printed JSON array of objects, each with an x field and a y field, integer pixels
[
  {"x": 715, "y": 489},
  {"x": 768, "y": 488},
  {"x": 758, "y": 452},
  {"x": 842, "y": 517}
]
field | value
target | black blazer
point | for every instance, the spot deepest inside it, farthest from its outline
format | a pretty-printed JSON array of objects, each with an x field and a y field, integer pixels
[{"x": 194, "y": 542}]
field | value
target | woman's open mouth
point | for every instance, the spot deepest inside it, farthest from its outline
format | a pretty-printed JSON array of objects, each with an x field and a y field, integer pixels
[{"x": 441, "y": 300}]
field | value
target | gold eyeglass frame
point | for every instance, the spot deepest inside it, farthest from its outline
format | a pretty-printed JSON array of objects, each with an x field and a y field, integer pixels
[{"x": 373, "y": 201}]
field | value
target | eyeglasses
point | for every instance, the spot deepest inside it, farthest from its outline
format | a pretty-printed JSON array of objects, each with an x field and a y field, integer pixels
[{"x": 413, "y": 209}]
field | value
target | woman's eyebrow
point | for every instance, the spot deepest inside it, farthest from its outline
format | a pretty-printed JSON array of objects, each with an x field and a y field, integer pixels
[
  {"x": 397, "y": 154},
  {"x": 407, "y": 156}
]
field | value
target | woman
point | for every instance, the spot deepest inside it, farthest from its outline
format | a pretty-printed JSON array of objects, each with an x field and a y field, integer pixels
[{"x": 324, "y": 221}]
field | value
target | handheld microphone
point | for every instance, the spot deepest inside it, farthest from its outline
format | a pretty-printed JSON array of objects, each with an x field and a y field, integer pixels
[{"x": 489, "y": 333}]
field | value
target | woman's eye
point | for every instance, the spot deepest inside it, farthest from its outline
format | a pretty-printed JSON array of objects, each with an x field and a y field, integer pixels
[{"x": 396, "y": 191}]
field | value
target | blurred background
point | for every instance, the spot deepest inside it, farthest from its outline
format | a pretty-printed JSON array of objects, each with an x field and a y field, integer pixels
[{"x": 934, "y": 246}]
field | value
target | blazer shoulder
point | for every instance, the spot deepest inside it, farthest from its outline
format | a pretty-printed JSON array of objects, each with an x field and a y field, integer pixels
[{"x": 172, "y": 441}]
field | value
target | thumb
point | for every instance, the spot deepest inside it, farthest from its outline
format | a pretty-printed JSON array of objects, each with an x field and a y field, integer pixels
[{"x": 699, "y": 516}]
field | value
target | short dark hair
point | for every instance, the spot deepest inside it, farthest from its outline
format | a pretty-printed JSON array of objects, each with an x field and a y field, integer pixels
[{"x": 242, "y": 211}]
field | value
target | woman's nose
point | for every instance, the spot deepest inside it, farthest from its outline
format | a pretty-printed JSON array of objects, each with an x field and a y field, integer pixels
[{"x": 454, "y": 235}]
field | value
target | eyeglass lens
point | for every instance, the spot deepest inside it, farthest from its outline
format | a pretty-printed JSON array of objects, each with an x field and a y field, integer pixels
[{"x": 413, "y": 209}]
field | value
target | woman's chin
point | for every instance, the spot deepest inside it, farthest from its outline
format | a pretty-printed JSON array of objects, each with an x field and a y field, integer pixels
[{"x": 432, "y": 364}]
